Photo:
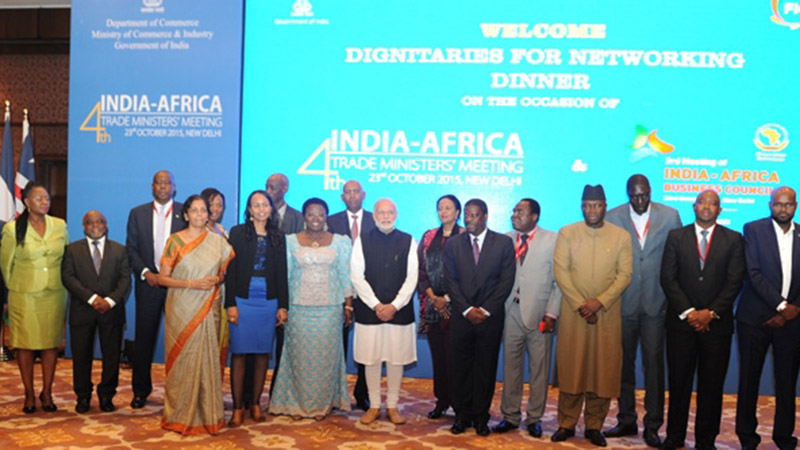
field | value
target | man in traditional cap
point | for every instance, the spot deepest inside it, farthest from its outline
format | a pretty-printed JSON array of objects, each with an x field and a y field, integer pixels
[
  {"x": 592, "y": 265},
  {"x": 643, "y": 305}
]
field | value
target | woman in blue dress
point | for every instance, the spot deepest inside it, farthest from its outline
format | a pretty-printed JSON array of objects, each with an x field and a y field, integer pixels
[{"x": 312, "y": 380}]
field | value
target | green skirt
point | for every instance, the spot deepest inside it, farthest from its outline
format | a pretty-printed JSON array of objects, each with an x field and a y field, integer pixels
[{"x": 36, "y": 319}]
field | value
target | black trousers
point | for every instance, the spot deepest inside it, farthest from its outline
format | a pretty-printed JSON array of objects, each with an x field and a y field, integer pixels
[
  {"x": 439, "y": 342},
  {"x": 473, "y": 366},
  {"x": 149, "y": 311},
  {"x": 82, "y": 345},
  {"x": 708, "y": 353},
  {"x": 754, "y": 342},
  {"x": 650, "y": 332},
  {"x": 360, "y": 389}
]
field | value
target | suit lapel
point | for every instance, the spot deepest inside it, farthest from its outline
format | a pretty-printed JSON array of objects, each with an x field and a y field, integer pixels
[
  {"x": 87, "y": 257},
  {"x": 795, "y": 257},
  {"x": 772, "y": 245}
]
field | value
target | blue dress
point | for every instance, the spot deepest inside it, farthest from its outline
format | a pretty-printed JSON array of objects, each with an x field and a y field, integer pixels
[
  {"x": 312, "y": 379},
  {"x": 255, "y": 332}
]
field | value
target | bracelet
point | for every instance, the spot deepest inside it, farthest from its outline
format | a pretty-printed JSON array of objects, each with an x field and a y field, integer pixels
[
  {"x": 189, "y": 284},
  {"x": 348, "y": 307}
]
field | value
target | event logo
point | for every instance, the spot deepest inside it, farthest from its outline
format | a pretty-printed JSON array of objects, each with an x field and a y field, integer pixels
[
  {"x": 771, "y": 137},
  {"x": 648, "y": 144},
  {"x": 152, "y": 6},
  {"x": 786, "y": 13},
  {"x": 579, "y": 166},
  {"x": 302, "y": 8}
]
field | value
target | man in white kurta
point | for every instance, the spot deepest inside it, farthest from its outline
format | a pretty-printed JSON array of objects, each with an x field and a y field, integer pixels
[{"x": 383, "y": 270}]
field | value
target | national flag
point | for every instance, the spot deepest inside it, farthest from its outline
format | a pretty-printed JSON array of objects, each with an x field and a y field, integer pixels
[
  {"x": 27, "y": 170},
  {"x": 7, "y": 207}
]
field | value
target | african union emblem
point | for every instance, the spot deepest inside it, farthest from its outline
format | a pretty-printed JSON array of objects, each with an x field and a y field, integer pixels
[
  {"x": 771, "y": 137},
  {"x": 786, "y": 13}
]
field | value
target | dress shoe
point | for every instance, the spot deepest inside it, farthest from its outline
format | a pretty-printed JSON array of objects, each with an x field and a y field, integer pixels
[
  {"x": 138, "y": 402},
  {"x": 671, "y": 444},
  {"x": 651, "y": 438},
  {"x": 237, "y": 418},
  {"x": 29, "y": 409},
  {"x": 622, "y": 430},
  {"x": 437, "y": 412},
  {"x": 49, "y": 406},
  {"x": 362, "y": 404},
  {"x": 395, "y": 417},
  {"x": 482, "y": 429},
  {"x": 504, "y": 426},
  {"x": 370, "y": 416},
  {"x": 82, "y": 406},
  {"x": 562, "y": 434},
  {"x": 595, "y": 437},
  {"x": 535, "y": 430},
  {"x": 257, "y": 414},
  {"x": 459, "y": 426},
  {"x": 107, "y": 405}
]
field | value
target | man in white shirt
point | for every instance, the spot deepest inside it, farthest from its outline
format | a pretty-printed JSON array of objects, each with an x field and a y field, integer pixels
[
  {"x": 384, "y": 273},
  {"x": 767, "y": 317}
]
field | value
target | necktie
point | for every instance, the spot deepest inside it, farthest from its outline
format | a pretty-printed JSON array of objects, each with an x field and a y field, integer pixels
[
  {"x": 96, "y": 258},
  {"x": 476, "y": 251},
  {"x": 523, "y": 249},
  {"x": 159, "y": 242},
  {"x": 354, "y": 228},
  {"x": 703, "y": 248}
]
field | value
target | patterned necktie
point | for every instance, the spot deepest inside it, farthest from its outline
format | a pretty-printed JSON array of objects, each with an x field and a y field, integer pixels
[
  {"x": 354, "y": 228},
  {"x": 476, "y": 251},
  {"x": 159, "y": 243},
  {"x": 703, "y": 248},
  {"x": 96, "y": 258},
  {"x": 523, "y": 249}
]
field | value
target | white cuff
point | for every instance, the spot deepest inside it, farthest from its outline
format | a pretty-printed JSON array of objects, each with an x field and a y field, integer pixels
[
  {"x": 466, "y": 311},
  {"x": 683, "y": 315},
  {"x": 92, "y": 299},
  {"x": 782, "y": 306},
  {"x": 144, "y": 271},
  {"x": 111, "y": 302}
]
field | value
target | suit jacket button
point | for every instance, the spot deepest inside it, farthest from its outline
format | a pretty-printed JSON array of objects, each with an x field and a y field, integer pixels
[{"x": 701, "y": 278}]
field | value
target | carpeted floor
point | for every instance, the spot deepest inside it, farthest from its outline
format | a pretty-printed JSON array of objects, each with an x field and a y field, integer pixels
[{"x": 128, "y": 428}]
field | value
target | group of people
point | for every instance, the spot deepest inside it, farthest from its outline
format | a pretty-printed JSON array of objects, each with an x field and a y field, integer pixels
[{"x": 295, "y": 281}]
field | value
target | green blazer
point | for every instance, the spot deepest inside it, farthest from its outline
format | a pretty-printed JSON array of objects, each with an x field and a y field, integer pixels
[{"x": 36, "y": 266}]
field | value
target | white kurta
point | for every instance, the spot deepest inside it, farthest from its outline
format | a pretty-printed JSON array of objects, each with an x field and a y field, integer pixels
[{"x": 386, "y": 342}]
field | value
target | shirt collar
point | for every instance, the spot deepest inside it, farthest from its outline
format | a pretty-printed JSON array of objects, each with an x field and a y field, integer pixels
[
  {"x": 167, "y": 205},
  {"x": 698, "y": 229},
  {"x": 102, "y": 241},
  {"x": 644, "y": 216},
  {"x": 779, "y": 231}
]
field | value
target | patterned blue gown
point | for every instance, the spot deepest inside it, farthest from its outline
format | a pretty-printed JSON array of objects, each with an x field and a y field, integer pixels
[{"x": 312, "y": 378}]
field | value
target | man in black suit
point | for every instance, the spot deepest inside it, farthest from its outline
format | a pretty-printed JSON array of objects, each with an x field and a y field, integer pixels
[
  {"x": 767, "y": 316},
  {"x": 149, "y": 226},
  {"x": 96, "y": 273},
  {"x": 479, "y": 269},
  {"x": 701, "y": 272},
  {"x": 353, "y": 221}
]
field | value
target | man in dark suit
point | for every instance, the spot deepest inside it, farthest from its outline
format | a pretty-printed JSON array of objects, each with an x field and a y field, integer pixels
[
  {"x": 479, "y": 271},
  {"x": 701, "y": 273},
  {"x": 97, "y": 275},
  {"x": 291, "y": 220},
  {"x": 149, "y": 226},
  {"x": 767, "y": 316},
  {"x": 353, "y": 221},
  {"x": 643, "y": 303}
]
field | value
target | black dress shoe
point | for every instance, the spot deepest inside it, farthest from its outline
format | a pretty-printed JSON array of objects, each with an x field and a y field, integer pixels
[
  {"x": 562, "y": 434},
  {"x": 504, "y": 426},
  {"x": 362, "y": 404},
  {"x": 651, "y": 438},
  {"x": 82, "y": 406},
  {"x": 535, "y": 430},
  {"x": 459, "y": 426},
  {"x": 671, "y": 444},
  {"x": 437, "y": 412},
  {"x": 106, "y": 405},
  {"x": 50, "y": 406},
  {"x": 138, "y": 402},
  {"x": 482, "y": 429},
  {"x": 622, "y": 430},
  {"x": 595, "y": 437}
]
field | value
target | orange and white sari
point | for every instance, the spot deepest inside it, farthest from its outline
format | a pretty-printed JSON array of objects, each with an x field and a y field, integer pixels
[{"x": 193, "y": 390}]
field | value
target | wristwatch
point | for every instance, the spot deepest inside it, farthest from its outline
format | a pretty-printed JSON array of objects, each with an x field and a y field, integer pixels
[{"x": 713, "y": 314}]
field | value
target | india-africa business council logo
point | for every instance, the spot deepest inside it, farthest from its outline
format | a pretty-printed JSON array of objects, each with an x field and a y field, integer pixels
[
  {"x": 786, "y": 13},
  {"x": 646, "y": 143}
]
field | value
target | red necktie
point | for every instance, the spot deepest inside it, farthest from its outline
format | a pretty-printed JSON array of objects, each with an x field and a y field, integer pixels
[{"x": 354, "y": 228}]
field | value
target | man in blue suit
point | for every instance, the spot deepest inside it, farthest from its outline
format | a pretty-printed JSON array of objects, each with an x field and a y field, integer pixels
[
  {"x": 643, "y": 309},
  {"x": 766, "y": 315}
]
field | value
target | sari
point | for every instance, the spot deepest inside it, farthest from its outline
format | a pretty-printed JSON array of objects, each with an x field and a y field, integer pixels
[{"x": 193, "y": 389}]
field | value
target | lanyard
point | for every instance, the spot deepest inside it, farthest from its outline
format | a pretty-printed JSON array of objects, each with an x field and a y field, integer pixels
[
  {"x": 518, "y": 250},
  {"x": 644, "y": 233},
  {"x": 708, "y": 245},
  {"x": 169, "y": 211}
]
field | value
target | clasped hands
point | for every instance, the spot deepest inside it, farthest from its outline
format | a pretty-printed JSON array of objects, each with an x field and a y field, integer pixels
[
  {"x": 588, "y": 310},
  {"x": 100, "y": 304},
  {"x": 700, "y": 320},
  {"x": 205, "y": 283},
  {"x": 779, "y": 320},
  {"x": 385, "y": 312},
  {"x": 440, "y": 305}
]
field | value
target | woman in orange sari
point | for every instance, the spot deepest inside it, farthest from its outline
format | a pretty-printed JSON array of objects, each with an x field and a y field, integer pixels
[{"x": 192, "y": 268}]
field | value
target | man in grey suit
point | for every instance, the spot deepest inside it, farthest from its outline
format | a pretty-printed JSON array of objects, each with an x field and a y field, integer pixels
[
  {"x": 643, "y": 309},
  {"x": 531, "y": 312},
  {"x": 291, "y": 219}
]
